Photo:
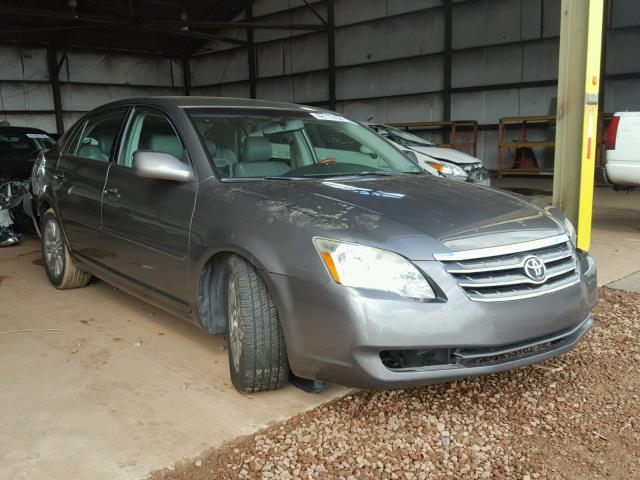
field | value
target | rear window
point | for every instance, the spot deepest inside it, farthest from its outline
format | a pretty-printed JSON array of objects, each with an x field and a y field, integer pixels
[{"x": 24, "y": 144}]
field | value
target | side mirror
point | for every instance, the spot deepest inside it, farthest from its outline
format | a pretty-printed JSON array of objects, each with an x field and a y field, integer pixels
[{"x": 161, "y": 166}]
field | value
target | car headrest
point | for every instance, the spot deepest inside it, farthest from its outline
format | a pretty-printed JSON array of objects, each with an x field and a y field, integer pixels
[
  {"x": 256, "y": 149},
  {"x": 106, "y": 141},
  {"x": 211, "y": 146},
  {"x": 166, "y": 143}
]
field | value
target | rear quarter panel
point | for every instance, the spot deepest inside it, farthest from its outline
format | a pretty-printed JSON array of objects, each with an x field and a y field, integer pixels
[{"x": 623, "y": 163}]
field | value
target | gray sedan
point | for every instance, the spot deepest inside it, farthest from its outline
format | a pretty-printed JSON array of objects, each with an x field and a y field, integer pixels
[{"x": 311, "y": 242}]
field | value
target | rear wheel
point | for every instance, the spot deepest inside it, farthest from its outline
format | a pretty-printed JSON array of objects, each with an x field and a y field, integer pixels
[
  {"x": 57, "y": 261},
  {"x": 257, "y": 352}
]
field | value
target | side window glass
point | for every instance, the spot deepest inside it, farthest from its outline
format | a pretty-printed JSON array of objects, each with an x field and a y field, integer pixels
[
  {"x": 71, "y": 147},
  {"x": 151, "y": 130},
  {"x": 99, "y": 135}
]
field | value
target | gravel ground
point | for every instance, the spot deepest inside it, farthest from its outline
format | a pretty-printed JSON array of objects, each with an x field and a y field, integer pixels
[{"x": 577, "y": 416}]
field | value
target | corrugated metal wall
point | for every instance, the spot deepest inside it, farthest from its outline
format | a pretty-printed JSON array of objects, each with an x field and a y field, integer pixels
[
  {"x": 389, "y": 58},
  {"x": 87, "y": 80}
]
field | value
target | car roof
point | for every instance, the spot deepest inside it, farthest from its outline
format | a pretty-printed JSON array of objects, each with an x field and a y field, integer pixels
[
  {"x": 15, "y": 129},
  {"x": 194, "y": 101}
]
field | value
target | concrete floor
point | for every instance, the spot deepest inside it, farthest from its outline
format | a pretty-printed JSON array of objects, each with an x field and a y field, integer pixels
[{"x": 119, "y": 388}]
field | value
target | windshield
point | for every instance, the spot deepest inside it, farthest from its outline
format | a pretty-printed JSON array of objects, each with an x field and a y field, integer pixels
[
  {"x": 275, "y": 143},
  {"x": 405, "y": 139}
]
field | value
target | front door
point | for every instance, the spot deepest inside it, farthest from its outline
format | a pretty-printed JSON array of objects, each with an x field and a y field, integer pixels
[
  {"x": 146, "y": 222},
  {"x": 80, "y": 176}
]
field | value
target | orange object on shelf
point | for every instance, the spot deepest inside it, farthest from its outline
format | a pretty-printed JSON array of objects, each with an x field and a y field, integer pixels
[{"x": 521, "y": 163}]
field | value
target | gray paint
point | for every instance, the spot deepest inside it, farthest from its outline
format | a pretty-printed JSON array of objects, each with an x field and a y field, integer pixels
[{"x": 161, "y": 240}]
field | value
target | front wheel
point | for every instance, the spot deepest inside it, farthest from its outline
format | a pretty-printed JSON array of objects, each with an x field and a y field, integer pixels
[
  {"x": 257, "y": 352},
  {"x": 58, "y": 264}
]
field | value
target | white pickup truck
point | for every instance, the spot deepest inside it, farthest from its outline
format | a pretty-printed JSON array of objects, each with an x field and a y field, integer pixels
[{"x": 622, "y": 159}]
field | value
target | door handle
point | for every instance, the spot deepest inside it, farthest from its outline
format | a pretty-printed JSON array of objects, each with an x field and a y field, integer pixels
[{"x": 112, "y": 193}]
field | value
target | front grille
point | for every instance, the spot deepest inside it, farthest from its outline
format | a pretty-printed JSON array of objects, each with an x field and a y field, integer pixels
[
  {"x": 469, "y": 357},
  {"x": 498, "y": 274}
]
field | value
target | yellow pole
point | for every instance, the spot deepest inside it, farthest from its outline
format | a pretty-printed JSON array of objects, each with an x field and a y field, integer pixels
[{"x": 590, "y": 122}]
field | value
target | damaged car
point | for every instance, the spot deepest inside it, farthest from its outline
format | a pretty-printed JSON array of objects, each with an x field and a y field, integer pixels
[
  {"x": 19, "y": 149},
  {"x": 450, "y": 163},
  {"x": 337, "y": 261}
]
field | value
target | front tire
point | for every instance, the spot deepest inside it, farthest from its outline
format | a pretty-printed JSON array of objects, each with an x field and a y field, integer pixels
[
  {"x": 257, "y": 352},
  {"x": 57, "y": 261}
]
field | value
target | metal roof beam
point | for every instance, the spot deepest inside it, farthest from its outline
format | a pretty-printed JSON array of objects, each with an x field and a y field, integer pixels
[
  {"x": 241, "y": 25},
  {"x": 118, "y": 22}
]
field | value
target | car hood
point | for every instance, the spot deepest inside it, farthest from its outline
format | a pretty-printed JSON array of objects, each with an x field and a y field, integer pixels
[
  {"x": 447, "y": 154},
  {"x": 385, "y": 210}
]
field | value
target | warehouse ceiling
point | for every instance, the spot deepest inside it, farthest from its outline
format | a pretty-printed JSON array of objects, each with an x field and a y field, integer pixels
[{"x": 162, "y": 26}]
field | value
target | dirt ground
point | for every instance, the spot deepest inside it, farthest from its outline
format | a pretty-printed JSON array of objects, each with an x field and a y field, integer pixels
[{"x": 574, "y": 417}]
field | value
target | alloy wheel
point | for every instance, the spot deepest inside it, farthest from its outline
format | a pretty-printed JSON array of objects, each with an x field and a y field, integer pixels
[
  {"x": 53, "y": 248},
  {"x": 235, "y": 324}
]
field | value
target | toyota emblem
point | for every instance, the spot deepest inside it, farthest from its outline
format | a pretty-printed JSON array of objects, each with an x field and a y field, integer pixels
[{"x": 535, "y": 269}]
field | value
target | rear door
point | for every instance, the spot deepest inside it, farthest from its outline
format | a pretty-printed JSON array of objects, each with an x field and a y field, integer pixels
[
  {"x": 80, "y": 176},
  {"x": 146, "y": 222}
]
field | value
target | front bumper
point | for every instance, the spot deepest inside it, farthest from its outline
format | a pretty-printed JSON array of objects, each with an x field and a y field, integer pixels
[{"x": 336, "y": 334}]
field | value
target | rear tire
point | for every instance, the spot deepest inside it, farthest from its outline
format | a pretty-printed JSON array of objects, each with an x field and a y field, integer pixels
[
  {"x": 57, "y": 261},
  {"x": 257, "y": 351}
]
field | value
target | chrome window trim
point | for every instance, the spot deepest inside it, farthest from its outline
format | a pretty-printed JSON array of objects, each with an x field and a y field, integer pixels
[{"x": 501, "y": 250}]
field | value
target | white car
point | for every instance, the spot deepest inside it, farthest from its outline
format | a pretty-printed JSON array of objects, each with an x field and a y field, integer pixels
[
  {"x": 622, "y": 159},
  {"x": 449, "y": 162}
]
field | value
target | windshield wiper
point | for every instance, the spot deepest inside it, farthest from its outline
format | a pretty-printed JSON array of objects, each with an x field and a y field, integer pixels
[
  {"x": 351, "y": 174},
  {"x": 380, "y": 173},
  {"x": 282, "y": 178},
  {"x": 258, "y": 179}
]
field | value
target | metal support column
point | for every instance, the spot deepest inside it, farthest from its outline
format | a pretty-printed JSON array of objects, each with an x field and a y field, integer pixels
[
  {"x": 446, "y": 82},
  {"x": 603, "y": 54},
  {"x": 578, "y": 83},
  {"x": 186, "y": 75},
  {"x": 331, "y": 46},
  {"x": 251, "y": 52},
  {"x": 590, "y": 122},
  {"x": 54, "y": 71}
]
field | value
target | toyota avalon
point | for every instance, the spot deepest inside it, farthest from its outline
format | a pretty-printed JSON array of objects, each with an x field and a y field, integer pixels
[{"x": 312, "y": 243}]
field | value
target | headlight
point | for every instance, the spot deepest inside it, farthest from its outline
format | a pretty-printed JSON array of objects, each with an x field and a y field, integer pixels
[
  {"x": 449, "y": 169},
  {"x": 571, "y": 231},
  {"x": 354, "y": 265}
]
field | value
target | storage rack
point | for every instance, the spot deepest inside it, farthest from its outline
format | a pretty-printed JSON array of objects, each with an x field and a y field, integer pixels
[{"x": 523, "y": 141}]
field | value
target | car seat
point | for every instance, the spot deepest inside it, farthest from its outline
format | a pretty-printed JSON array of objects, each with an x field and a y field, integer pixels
[
  {"x": 91, "y": 149},
  {"x": 167, "y": 144},
  {"x": 222, "y": 157},
  {"x": 256, "y": 160}
]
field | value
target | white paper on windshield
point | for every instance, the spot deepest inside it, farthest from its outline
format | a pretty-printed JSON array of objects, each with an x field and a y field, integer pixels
[
  {"x": 38, "y": 135},
  {"x": 329, "y": 116}
]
